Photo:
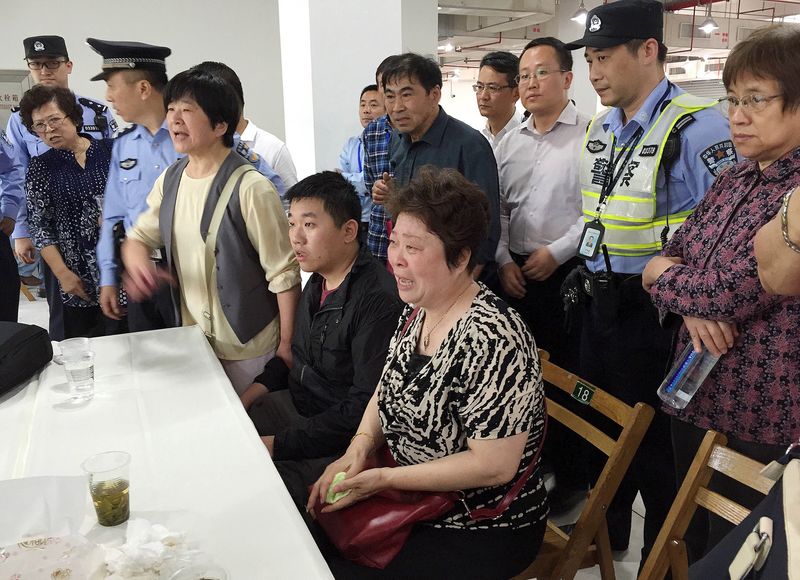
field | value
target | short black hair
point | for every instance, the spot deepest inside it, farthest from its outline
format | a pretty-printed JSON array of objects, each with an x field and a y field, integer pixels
[
  {"x": 563, "y": 55},
  {"x": 226, "y": 73},
  {"x": 40, "y": 95},
  {"x": 156, "y": 78},
  {"x": 503, "y": 62},
  {"x": 338, "y": 196},
  {"x": 212, "y": 94},
  {"x": 635, "y": 44},
  {"x": 413, "y": 66},
  {"x": 367, "y": 89},
  {"x": 383, "y": 66}
]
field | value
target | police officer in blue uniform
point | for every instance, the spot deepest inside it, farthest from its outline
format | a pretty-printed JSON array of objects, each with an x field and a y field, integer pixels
[
  {"x": 49, "y": 64},
  {"x": 646, "y": 163},
  {"x": 136, "y": 75},
  {"x": 12, "y": 196}
]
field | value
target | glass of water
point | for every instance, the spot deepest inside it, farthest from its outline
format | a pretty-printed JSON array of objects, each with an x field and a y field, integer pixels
[{"x": 79, "y": 366}]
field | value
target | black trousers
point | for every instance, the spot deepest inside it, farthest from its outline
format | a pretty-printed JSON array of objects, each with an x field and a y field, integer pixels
[
  {"x": 706, "y": 530},
  {"x": 625, "y": 352},
  {"x": 152, "y": 314},
  {"x": 543, "y": 310},
  {"x": 9, "y": 281},
  {"x": 491, "y": 554}
]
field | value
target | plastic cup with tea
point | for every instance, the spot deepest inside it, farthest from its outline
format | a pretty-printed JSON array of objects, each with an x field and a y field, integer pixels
[{"x": 109, "y": 483}]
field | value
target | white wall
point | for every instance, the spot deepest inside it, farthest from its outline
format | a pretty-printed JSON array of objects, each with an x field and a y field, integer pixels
[{"x": 242, "y": 34}]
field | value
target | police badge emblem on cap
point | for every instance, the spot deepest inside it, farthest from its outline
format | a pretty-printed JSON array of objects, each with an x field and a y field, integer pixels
[
  {"x": 594, "y": 24},
  {"x": 38, "y": 46}
]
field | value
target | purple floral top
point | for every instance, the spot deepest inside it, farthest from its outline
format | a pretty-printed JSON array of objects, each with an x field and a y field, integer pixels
[{"x": 753, "y": 393}]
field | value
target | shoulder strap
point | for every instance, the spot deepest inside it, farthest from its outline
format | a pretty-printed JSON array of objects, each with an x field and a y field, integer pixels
[{"x": 213, "y": 228}]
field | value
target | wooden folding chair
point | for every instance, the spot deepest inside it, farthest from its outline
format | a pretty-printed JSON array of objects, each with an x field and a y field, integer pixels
[
  {"x": 561, "y": 554},
  {"x": 25, "y": 292},
  {"x": 669, "y": 550}
]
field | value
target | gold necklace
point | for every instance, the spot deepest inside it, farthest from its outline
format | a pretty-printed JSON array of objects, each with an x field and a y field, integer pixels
[{"x": 427, "y": 338}]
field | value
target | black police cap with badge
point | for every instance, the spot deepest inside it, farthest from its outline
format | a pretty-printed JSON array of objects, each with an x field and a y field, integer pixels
[
  {"x": 39, "y": 46},
  {"x": 613, "y": 24},
  {"x": 126, "y": 55}
]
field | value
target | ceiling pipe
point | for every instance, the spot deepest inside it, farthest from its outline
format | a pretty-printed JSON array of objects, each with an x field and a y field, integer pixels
[{"x": 682, "y": 4}]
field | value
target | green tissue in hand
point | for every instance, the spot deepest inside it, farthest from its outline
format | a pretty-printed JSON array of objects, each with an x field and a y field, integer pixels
[{"x": 332, "y": 496}]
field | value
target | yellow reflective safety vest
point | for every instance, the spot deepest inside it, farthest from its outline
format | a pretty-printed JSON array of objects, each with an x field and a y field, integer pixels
[{"x": 632, "y": 227}]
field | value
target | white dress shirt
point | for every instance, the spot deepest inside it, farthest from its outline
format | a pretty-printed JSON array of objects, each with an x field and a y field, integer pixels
[
  {"x": 272, "y": 150},
  {"x": 494, "y": 140},
  {"x": 540, "y": 193}
]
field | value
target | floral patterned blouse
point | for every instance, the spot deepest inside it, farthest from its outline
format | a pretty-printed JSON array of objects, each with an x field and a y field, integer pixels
[
  {"x": 753, "y": 393},
  {"x": 65, "y": 202}
]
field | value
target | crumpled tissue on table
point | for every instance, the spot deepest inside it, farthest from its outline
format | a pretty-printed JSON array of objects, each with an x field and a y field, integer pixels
[
  {"x": 150, "y": 551},
  {"x": 41, "y": 506}
]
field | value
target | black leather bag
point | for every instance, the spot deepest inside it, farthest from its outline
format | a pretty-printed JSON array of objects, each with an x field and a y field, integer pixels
[{"x": 25, "y": 349}]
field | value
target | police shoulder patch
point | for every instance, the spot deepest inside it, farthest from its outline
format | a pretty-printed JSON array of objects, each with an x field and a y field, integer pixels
[
  {"x": 128, "y": 163},
  {"x": 243, "y": 150},
  {"x": 719, "y": 157},
  {"x": 595, "y": 146}
]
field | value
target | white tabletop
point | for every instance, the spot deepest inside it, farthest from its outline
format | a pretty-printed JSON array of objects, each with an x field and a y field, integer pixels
[{"x": 197, "y": 461}]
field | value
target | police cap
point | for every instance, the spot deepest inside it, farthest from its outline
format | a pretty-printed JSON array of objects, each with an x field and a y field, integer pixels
[
  {"x": 125, "y": 55},
  {"x": 613, "y": 24},
  {"x": 39, "y": 46}
]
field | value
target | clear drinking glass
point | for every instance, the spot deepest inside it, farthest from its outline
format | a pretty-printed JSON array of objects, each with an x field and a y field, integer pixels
[
  {"x": 79, "y": 367},
  {"x": 109, "y": 483}
]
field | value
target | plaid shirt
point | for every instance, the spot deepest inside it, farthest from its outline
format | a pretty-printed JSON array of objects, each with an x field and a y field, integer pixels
[{"x": 376, "y": 138}]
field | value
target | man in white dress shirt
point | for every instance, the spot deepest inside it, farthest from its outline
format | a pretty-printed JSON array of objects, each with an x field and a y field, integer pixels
[
  {"x": 541, "y": 222},
  {"x": 497, "y": 95},
  {"x": 540, "y": 195}
]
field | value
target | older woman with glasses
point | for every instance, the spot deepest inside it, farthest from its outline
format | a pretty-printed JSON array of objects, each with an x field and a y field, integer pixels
[
  {"x": 708, "y": 275},
  {"x": 64, "y": 189},
  {"x": 460, "y": 404}
]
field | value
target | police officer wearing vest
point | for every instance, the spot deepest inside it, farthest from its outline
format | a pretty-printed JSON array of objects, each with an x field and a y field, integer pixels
[
  {"x": 49, "y": 64},
  {"x": 136, "y": 75},
  {"x": 646, "y": 162}
]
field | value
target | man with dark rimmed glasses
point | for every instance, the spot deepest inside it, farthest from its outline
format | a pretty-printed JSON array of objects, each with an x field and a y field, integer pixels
[{"x": 49, "y": 63}]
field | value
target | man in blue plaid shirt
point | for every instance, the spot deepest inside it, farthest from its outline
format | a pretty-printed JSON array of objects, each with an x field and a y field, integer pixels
[{"x": 377, "y": 139}]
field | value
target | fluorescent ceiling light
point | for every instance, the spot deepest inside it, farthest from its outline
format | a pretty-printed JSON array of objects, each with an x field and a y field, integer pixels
[{"x": 580, "y": 15}]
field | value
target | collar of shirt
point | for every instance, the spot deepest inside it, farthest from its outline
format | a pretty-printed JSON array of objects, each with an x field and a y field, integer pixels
[
  {"x": 435, "y": 133},
  {"x": 778, "y": 170},
  {"x": 142, "y": 132},
  {"x": 646, "y": 114},
  {"x": 249, "y": 133},
  {"x": 568, "y": 116},
  {"x": 512, "y": 122}
]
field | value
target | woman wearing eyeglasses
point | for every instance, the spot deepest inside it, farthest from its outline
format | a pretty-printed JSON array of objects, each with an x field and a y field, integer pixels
[
  {"x": 64, "y": 189},
  {"x": 708, "y": 274}
]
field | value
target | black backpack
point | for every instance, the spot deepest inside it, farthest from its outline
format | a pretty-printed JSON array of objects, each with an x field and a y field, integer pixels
[{"x": 25, "y": 349}]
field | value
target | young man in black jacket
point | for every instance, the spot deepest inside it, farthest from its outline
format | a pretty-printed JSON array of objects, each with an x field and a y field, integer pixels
[{"x": 347, "y": 313}]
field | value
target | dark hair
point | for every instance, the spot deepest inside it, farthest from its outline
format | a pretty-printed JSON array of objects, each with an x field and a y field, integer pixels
[
  {"x": 413, "y": 66},
  {"x": 563, "y": 55},
  {"x": 40, "y": 95},
  {"x": 635, "y": 44},
  {"x": 156, "y": 78},
  {"x": 503, "y": 62},
  {"x": 226, "y": 73},
  {"x": 451, "y": 207},
  {"x": 338, "y": 196},
  {"x": 383, "y": 66},
  {"x": 212, "y": 94},
  {"x": 367, "y": 89},
  {"x": 769, "y": 53}
]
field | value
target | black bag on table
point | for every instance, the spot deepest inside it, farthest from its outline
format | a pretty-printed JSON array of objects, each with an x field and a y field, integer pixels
[{"x": 25, "y": 349}]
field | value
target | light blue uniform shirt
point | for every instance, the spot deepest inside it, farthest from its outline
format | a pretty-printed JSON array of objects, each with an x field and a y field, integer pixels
[
  {"x": 12, "y": 180},
  {"x": 351, "y": 162},
  {"x": 138, "y": 158},
  {"x": 27, "y": 145},
  {"x": 691, "y": 174}
]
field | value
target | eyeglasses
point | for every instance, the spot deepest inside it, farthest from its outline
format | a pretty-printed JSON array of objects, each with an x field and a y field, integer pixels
[
  {"x": 754, "y": 103},
  {"x": 492, "y": 88},
  {"x": 52, "y": 123},
  {"x": 48, "y": 64},
  {"x": 539, "y": 73}
]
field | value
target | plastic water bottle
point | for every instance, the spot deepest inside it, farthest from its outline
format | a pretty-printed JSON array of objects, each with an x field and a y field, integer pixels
[{"x": 683, "y": 380}]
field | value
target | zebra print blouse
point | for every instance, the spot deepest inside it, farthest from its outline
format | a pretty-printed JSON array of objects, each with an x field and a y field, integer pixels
[{"x": 483, "y": 382}]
